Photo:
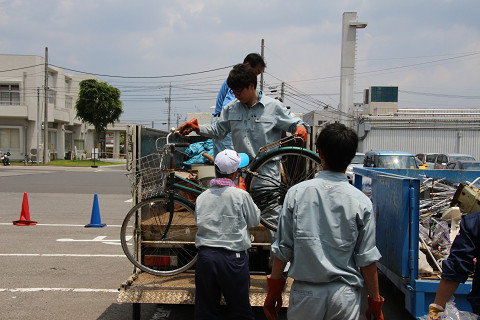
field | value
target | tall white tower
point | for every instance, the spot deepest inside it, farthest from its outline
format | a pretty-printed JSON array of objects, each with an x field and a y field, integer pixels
[{"x": 347, "y": 69}]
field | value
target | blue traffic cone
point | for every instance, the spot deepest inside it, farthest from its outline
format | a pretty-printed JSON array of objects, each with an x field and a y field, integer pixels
[{"x": 95, "y": 221}]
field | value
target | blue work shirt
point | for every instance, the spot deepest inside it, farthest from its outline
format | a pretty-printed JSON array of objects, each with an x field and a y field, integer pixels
[
  {"x": 459, "y": 264},
  {"x": 326, "y": 230},
  {"x": 223, "y": 216},
  {"x": 223, "y": 98},
  {"x": 253, "y": 127}
]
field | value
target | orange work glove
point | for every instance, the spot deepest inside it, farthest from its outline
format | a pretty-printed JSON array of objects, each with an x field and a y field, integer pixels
[
  {"x": 273, "y": 301},
  {"x": 374, "y": 309},
  {"x": 301, "y": 132},
  {"x": 188, "y": 127},
  {"x": 241, "y": 184}
]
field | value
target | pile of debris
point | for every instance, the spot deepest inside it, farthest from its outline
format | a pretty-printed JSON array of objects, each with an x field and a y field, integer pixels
[{"x": 442, "y": 206}]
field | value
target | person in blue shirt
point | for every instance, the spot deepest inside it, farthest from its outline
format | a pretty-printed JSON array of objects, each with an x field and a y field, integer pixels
[
  {"x": 462, "y": 261},
  {"x": 326, "y": 230},
  {"x": 225, "y": 96},
  {"x": 223, "y": 214}
]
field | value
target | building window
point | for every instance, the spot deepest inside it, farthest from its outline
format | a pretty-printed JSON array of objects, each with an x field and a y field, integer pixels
[
  {"x": 80, "y": 145},
  {"x": 51, "y": 96},
  {"x": 68, "y": 85},
  {"x": 52, "y": 140},
  {"x": 68, "y": 102},
  {"x": 68, "y": 141},
  {"x": 10, "y": 94},
  {"x": 9, "y": 138}
]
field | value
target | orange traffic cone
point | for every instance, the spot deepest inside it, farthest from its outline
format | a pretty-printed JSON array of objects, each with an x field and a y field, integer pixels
[{"x": 25, "y": 214}]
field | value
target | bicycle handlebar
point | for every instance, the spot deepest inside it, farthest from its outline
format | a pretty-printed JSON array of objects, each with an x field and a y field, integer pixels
[{"x": 179, "y": 144}]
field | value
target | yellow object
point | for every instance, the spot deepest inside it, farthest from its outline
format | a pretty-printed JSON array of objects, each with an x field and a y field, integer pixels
[
  {"x": 434, "y": 311},
  {"x": 467, "y": 198}
]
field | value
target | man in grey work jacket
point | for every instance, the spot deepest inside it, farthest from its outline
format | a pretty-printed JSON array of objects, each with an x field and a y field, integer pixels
[
  {"x": 327, "y": 231},
  {"x": 225, "y": 96},
  {"x": 254, "y": 120}
]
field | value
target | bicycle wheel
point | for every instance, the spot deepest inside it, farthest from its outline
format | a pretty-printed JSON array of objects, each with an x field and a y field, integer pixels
[
  {"x": 268, "y": 188},
  {"x": 157, "y": 240}
]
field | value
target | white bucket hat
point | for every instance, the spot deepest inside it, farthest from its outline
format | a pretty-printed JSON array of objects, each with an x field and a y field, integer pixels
[{"x": 228, "y": 161}]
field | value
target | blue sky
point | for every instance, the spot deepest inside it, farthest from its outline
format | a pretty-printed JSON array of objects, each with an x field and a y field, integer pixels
[{"x": 429, "y": 48}]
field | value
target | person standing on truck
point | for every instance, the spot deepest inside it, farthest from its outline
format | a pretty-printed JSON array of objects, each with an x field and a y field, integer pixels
[
  {"x": 225, "y": 96},
  {"x": 254, "y": 120},
  {"x": 326, "y": 230},
  {"x": 223, "y": 214},
  {"x": 462, "y": 261}
]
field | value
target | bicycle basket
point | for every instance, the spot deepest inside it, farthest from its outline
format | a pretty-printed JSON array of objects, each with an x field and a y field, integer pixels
[{"x": 148, "y": 176}]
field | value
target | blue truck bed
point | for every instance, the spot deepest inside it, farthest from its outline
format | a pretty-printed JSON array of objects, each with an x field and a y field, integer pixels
[{"x": 395, "y": 194}]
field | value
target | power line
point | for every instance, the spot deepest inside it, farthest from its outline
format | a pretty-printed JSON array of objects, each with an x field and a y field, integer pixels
[
  {"x": 37, "y": 65},
  {"x": 440, "y": 95},
  {"x": 142, "y": 77}
]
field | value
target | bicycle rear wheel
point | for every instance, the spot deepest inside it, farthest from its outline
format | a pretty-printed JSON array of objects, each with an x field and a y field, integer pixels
[
  {"x": 157, "y": 240},
  {"x": 268, "y": 188}
]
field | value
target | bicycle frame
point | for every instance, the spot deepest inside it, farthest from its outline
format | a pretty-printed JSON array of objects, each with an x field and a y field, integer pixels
[{"x": 158, "y": 233}]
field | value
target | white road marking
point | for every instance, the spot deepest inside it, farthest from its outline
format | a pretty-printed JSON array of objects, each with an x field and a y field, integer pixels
[
  {"x": 96, "y": 239},
  {"x": 61, "y": 255},
  {"x": 59, "y": 225},
  {"x": 58, "y": 289}
]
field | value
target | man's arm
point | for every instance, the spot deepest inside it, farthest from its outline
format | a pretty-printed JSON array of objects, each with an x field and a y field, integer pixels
[
  {"x": 277, "y": 268},
  {"x": 375, "y": 300},
  {"x": 222, "y": 93},
  {"x": 445, "y": 290},
  {"x": 370, "y": 276}
]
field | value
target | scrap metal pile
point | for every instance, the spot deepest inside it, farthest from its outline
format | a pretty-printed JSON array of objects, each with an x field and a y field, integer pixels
[{"x": 442, "y": 205}]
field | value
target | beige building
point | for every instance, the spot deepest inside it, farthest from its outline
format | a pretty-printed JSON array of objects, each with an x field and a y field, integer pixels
[{"x": 22, "y": 111}]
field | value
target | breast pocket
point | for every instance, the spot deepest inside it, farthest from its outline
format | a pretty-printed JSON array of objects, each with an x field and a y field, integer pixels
[
  {"x": 236, "y": 122},
  {"x": 263, "y": 125}
]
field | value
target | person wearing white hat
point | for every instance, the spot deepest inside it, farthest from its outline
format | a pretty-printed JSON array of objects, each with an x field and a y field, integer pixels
[{"x": 223, "y": 214}]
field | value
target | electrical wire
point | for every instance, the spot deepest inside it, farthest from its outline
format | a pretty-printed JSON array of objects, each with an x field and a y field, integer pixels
[{"x": 143, "y": 77}]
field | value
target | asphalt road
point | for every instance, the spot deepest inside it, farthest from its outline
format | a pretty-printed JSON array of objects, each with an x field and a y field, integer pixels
[{"x": 58, "y": 269}]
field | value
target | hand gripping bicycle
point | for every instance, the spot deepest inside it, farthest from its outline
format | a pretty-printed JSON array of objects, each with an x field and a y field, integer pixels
[{"x": 158, "y": 234}]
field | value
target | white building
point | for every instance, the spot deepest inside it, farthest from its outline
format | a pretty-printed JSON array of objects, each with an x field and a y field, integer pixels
[{"x": 22, "y": 110}]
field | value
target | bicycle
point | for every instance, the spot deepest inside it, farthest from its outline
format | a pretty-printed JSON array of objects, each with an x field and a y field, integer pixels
[{"x": 158, "y": 234}]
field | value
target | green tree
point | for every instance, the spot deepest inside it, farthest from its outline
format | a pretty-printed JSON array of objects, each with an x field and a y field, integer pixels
[{"x": 99, "y": 105}]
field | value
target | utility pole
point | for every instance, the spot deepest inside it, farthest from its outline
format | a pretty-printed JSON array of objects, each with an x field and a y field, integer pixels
[
  {"x": 282, "y": 92},
  {"x": 39, "y": 125},
  {"x": 178, "y": 120},
  {"x": 263, "y": 57},
  {"x": 45, "y": 121},
  {"x": 169, "y": 105}
]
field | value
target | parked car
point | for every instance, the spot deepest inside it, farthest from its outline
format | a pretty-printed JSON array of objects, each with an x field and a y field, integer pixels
[
  {"x": 357, "y": 161},
  {"x": 390, "y": 159},
  {"x": 428, "y": 159},
  {"x": 463, "y": 165},
  {"x": 420, "y": 164},
  {"x": 444, "y": 158}
]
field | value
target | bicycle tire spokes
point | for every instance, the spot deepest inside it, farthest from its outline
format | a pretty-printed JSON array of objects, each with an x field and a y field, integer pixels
[
  {"x": 165, "y": 241},
  {"x": 272, "y": 175}
]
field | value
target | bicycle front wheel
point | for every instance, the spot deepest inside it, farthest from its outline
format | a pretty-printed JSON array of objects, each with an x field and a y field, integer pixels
[
  {"x": 159, "y": 240},
  {"x": 274, "y": 173}
]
